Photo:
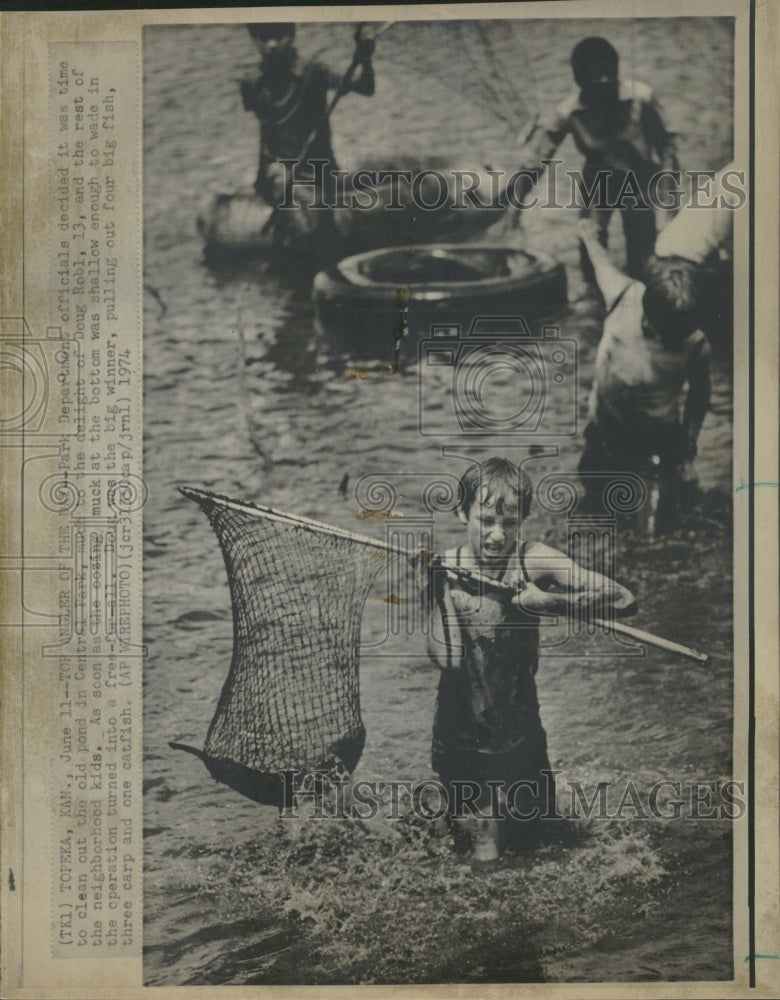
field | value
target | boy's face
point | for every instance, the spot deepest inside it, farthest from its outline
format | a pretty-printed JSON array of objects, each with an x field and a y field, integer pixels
[
  {"x": 600, "y": 84},
  {"x": 276, "y": 51},
  {"x": 491, "y": 535}
]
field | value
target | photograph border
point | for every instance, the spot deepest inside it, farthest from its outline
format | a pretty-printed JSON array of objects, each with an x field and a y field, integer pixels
[{"x": 25, "y": 294}]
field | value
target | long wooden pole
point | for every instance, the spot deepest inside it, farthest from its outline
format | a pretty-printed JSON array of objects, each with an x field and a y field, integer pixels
[
  {"x": 319, "y": 527},
  {"x": 340, "y": 92}
]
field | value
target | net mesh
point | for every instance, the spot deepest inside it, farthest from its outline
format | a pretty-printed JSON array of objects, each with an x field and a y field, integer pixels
[{"x": 291, "y": 699}]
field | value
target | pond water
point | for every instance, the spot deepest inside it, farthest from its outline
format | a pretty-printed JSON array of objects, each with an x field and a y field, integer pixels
[{"x": 240, "y": 398}]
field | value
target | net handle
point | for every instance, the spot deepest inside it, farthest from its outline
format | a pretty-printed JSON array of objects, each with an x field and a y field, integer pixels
[
  {"x": 272, "y": 514},
  {"x": 260, "y": 510}
]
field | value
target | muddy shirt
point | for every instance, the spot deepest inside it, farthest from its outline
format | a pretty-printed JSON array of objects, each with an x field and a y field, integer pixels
[{"x": 489, "y": 702}]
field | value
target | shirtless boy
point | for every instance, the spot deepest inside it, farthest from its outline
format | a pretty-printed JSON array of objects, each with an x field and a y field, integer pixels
[
  {"x": 617, "y": 126},
  {"x": 289, "y": 98}
]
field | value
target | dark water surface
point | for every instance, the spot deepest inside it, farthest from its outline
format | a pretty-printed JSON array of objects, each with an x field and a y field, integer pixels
[{"x": 239, "y": 398}]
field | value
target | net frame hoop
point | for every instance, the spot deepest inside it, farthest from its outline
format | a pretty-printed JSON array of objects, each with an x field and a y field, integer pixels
[{"x": 319, "y": 527}]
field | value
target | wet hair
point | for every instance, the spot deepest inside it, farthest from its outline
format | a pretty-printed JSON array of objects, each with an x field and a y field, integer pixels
[
  {"x": 271, "y": 29},
  {"x": 504, "y": 483},
  {"x": 589, "y": 51},
  {"x": 672, "y": 299}
]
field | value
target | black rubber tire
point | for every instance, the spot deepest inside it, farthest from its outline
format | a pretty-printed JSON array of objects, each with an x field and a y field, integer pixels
[{"x": 356, "y": 300}]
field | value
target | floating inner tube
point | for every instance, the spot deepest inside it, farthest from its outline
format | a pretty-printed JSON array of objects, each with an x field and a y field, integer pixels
[
  {"x": 356, "y": 301},
  {"x": 372, "y": 213}
]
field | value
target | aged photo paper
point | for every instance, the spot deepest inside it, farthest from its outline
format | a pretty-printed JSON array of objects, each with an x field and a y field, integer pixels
[{"x": 389, "y": 463}]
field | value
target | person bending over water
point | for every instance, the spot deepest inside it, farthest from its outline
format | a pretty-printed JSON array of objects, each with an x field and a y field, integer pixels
[{"x": 651, "y": 348}]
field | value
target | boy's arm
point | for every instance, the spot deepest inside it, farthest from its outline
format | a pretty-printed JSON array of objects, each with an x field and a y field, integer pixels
[
  {"x": 364, "y": 83},
  {"x": 545, "y": 136},
  {"x": 658, "y": 136},
  {"x": 248, "y": 92},
  {"x": 558, "y": 585},
  {"x": 697, "y": 401},
  {"x": 537, "y": 146},
  {"x": 444, "y": 646},
  {"x": 611, "y": 281}
]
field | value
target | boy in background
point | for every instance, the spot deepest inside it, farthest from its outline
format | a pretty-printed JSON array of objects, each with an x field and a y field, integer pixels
[
  {"x": 489, "y": 746},
  {"x": 617, "y": 126},
  {"x": 703, "y": 233},
  {"x": 651, "y": 349},
  {"x": 290, "y": 100}
]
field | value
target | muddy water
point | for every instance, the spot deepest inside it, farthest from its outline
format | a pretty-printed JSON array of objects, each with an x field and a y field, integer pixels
[{"x": 240, "y": 398}]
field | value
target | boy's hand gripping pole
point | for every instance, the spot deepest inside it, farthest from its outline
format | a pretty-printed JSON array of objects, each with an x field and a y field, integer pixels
[
  {"x": 611, "y": 625},
  {"x": 428, "y": 560}
]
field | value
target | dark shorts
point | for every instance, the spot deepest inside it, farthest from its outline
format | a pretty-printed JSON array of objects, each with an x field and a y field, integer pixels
[
  {"x": 639, "y": 226},
  {"x": 611, "y": 448},
  {"x": 517, "y": 781}
]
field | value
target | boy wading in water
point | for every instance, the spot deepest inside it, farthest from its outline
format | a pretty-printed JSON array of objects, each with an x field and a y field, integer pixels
[
  {"x": 290, "y": 98},
  {"x": 489, "y": 747},
  {"x": 617, "y": 126},
  {"x": 650, "y": 349}
]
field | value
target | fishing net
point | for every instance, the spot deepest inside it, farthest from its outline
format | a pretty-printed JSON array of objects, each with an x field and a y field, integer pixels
[
  {"x": 497, "y": 55},
  {"x": 291, "y": 699}
]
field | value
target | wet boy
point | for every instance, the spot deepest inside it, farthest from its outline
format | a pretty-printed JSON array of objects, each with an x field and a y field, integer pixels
[
  {"x": 290, "y": 100},
  {"x": 617, "y": 126},
  {"x": 650, "y": 349},
  {"x": 489, "y": 746}
]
